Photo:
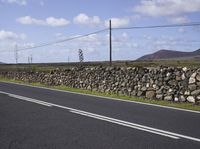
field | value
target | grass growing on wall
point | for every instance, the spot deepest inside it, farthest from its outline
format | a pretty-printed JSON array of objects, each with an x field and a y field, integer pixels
[{"x": 189, "y": 106}]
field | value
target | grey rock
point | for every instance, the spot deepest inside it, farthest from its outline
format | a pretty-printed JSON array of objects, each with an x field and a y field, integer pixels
[
  {"x": 150, "y": 94},
  {"x": 94, "y": 89},
  {"x": 140, "y": 93},
  {"x": 187, "y": 93},
  {"x": 191, "y": 99},
  {"x": 143, "y": 88},
  {"x": 182, "y": 98},
  {"x": 147, "y": 85},
  {"x": 173, "y": 82},
  {"x": 168, "y": 98},
  {"x": 176, "y": 99},
  {"x": 116, "y": 83},
  {"x": 198, "y": 77},
  {"x": 129, "y": 89},
  {"x": 168, "y": 74},
  {"x": 154, "y": 86},
  {"x": 183, "y": 76},
  {"x": 124, "y": 84},
  {"x": 195, "y": 93},
  {"x": 144, "y": 79},
  {"x": 170, "y": 90},
  {"x": 159, "y": 96},
  {"x": 192, "y": 78},
  {"x": 192, "y": 87},
  {"x": 134, "y": 93},
  {"x": 160, "y": 91},
  {"x": 89, "y": 87},
  {"x": 178, "y": 78},
  {"x": 184, "y": 69}
]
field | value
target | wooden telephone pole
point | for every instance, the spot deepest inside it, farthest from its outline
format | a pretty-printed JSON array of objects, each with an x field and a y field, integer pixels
[
  {"x": 16, "y": 53},
  {"x": 110, "y": 29}
]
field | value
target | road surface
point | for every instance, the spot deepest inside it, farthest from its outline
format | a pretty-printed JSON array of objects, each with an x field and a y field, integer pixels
[{"x": 39, "y": 118}]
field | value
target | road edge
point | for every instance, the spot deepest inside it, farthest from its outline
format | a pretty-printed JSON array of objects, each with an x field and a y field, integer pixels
[{"x": 110, "y": 98}]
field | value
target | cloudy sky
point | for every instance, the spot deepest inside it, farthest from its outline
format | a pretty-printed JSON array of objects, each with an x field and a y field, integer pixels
[{"x": 27, "y": 23}]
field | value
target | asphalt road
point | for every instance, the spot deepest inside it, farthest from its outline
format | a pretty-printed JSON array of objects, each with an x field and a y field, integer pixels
[{"x": 37, "y": 118}]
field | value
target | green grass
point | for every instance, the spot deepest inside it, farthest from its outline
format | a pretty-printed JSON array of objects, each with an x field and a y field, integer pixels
[
  {"x": 188, "y": 106},
  {"x": 53, "y": 66}
]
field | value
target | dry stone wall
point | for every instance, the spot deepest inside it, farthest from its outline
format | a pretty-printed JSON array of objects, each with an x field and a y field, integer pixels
[{"x": 162, "y": 83}]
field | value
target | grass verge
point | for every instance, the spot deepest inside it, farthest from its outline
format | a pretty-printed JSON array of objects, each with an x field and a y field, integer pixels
[{"x": 188, "y": 106}]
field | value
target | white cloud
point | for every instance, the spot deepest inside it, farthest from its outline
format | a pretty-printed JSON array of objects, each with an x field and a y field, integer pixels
[
  {"x": 56, "y": 21},
  {"x": 123, "y": 41},
  {"x": 90, "y": 44},
  {"x": 19, "y": 2},
  {"x": 117, "y": 22},
  {"x": 90, "y": 38},
  {"x": 41, "y": 3},
  {"x": 8, "y": 35},
  {"x": 58, "y": 35},
  {"x": 125, "y": 35},
  {"x": 84, "y": 19},
  {"x": 135, "y": 17},
  {"x": 147, "y": 37},
  {"x": 25, "y": 45},
  {"x": 50, "y": 21},
  {"x": 157, "y": 8},
  {"x": 29, "y": 20},
  {"x": 179, "y": 20},
  {"x": 181, "y": 30},
  {"x": 170, "y": 42}
]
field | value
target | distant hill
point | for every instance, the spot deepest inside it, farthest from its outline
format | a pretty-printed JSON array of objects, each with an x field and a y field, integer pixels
[{"x": 170, "y": 54}]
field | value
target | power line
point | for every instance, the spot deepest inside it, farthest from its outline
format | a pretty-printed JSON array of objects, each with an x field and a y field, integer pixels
[
  {"x": 158, "y": 26},
  {"x": 58, "y": 41},
  {"x": 63, "y": 40},
  {"x": 103, "y": 30}
]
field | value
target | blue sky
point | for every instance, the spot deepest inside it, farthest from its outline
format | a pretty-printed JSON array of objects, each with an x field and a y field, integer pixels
[{"x": 27, "y": 23}]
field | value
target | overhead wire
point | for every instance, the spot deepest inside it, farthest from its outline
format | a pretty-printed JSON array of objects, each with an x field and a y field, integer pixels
[
  {"x": 103, "y": 30},
  {"x": 158, "y": 26},
  {"x": 57, "y": 41},
  {"x": 63, "y": 40}
]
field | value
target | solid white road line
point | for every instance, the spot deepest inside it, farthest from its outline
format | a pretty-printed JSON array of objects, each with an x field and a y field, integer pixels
[
  {"x": 28, "y": 99},
  {"x": 124, "y": 124},
  {"x": 31, "y": 100},
  {"x": 136, "y": 126},
  {"x": 108, "y": 119},
  {"x": 103, "y": 97}
]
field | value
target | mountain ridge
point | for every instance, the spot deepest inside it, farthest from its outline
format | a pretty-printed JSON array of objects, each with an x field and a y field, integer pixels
[{"x": 171, "y": 54}]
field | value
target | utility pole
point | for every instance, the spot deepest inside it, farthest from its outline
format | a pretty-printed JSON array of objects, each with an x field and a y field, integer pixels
[
  {"x": 16, "y": 53},
  {"x": 110, "y": 29},
  {"x": 28, "y": 60},
  {"x": 31, "y": 59},
  {"x": 68, "y": 59}
]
